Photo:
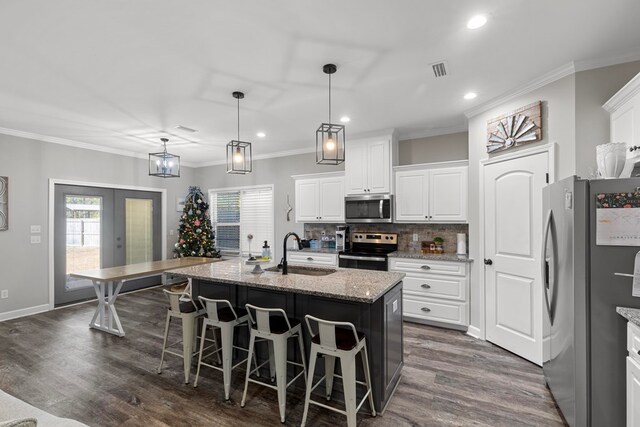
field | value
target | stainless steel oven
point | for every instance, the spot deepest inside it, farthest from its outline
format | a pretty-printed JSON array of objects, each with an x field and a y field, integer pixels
[
  {"x": 368, "y": 251},
  {"x": 373, "y": 208}
]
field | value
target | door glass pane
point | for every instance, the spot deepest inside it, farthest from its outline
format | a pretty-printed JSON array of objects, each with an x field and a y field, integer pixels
[
  {"x": 83, "y": 247},
  {"x": 138, "y": 230}
]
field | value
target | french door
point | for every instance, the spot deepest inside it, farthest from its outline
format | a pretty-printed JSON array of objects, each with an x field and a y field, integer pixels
[{"x": 98, "y": 228}]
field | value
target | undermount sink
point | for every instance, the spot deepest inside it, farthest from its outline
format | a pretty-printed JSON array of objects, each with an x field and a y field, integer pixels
[{"x": 307, "y": 271}]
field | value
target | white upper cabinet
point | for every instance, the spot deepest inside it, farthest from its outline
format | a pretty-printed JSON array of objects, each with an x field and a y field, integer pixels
[
  {"x": 624, "y": 109},
  {"x": 319, "y": 198},
  {"x": 368, "y": 165},
  {"x": 432, "y": 193},
  {"x": 412, "y": 197}
]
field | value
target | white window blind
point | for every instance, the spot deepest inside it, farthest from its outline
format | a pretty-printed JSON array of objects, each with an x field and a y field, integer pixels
[{"x": 236, "y": 213}]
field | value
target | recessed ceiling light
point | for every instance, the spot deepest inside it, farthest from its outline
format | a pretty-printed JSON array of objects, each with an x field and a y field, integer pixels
[
  {"x": 345, "y": 119},
  {"x": 476, "y": 22},
  {"x": 261, "y": 134},
  {"x": 470, "y": 95}
]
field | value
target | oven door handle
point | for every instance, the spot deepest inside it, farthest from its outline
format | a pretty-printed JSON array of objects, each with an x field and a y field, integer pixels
[{"x": 363, "y": 258}]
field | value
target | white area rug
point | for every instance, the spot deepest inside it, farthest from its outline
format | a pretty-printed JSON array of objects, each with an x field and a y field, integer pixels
[{"x": 12, "y": 408}]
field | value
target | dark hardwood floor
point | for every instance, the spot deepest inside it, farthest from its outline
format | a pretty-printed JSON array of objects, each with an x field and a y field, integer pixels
[{"x": 55, "y": 362}]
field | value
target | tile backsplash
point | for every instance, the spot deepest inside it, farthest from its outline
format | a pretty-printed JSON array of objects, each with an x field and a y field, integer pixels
[{"x": 405, "y": 232}]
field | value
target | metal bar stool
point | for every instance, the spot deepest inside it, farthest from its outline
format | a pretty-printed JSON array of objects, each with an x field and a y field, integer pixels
[
  {"x": 273, "y": 325},
  {"x": 223, "y": 316},
  {"x": 182, "y": 307},
  {"x": 341, "y": 340}
]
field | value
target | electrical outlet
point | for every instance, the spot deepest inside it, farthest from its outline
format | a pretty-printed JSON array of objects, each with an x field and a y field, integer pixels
[
  {"x": 35, "y": 229},
  {"x": 322, "y": 233},
  {"x": 36, "y": 239},
  {"x": 4, "y": 294},
  {"x": 415, "y": 237},
  {"x": 172, "y": 232}
]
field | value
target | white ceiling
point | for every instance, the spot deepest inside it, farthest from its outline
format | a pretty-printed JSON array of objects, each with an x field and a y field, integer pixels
[{"x": 119, "y": 74}]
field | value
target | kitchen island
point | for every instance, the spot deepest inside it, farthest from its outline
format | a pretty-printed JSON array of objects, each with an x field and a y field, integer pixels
[{"x": 371, "y": 300}]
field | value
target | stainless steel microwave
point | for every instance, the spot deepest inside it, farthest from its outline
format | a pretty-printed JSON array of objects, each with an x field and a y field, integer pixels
[{"x": 369, "y": 208}]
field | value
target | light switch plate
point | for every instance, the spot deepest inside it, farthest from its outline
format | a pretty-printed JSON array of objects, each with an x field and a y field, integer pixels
[
  {"x": 35, "y": 229},
  {"x": 415, "y": 237},
  {"x": 172, "y": 232},
  {"x": 35, "y": 239},
  {"x": 4, "y": 294}
]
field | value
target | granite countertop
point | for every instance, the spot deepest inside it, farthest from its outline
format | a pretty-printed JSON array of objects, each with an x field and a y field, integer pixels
[
  {"x": 433, "y": 257},
  {"x": 631, "y": 314},
  {"x": 317, "y": 251},
  {"x": 346, "y": 283}
]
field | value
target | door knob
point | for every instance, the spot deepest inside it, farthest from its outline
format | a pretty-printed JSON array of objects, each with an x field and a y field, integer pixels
[{"x": 488, "y": 261}]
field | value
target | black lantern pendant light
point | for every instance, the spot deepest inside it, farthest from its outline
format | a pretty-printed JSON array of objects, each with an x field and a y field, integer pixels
[
  {"x": 329, "y": 136},
  {"x": 238, "y": 152},
  {"x": 163, "y": 164}
]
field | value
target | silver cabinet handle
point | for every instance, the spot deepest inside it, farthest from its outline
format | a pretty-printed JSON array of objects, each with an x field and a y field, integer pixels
[
  {"x": 426, "y": 309},
  {"x": 426, "y": 286},
  {"x": 309, "y": 258},
  {"x": 425, "y": 267}
]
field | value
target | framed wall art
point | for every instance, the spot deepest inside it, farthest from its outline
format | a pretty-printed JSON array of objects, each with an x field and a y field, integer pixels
[
  {"x": 514, "y": 129},
  {"x": 4, "y": 203}
]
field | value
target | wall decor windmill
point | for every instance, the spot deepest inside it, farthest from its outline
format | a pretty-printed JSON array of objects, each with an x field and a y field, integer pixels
[{"x": 519, "y": 127}]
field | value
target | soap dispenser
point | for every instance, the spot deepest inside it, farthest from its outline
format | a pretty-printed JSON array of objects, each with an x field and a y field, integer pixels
[{"x": 266, "y": 250}]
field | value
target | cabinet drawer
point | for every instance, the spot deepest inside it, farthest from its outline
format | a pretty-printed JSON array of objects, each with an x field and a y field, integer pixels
[
  {"x": 313, "y": 258},
  {"x": 407, "y": 265},
  {"x": 633, "y": 341},
  {"x": 431, "y": 285},
  {"x": 436, "y": 310}
]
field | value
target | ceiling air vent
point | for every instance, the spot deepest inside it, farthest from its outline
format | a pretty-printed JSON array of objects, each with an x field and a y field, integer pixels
[
  {"x": 184, "y": 128},
  {"x": 439, "y": 69}
]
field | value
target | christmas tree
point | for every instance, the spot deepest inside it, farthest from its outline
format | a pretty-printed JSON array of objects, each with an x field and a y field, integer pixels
[{"x": 195, "y": 230}]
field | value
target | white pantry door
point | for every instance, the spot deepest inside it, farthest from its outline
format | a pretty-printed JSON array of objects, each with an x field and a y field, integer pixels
[{"x": 513, "y": 235}]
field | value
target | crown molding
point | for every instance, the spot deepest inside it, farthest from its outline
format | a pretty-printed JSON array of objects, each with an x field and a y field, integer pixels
[
  {"x": 628, "y": 91},
  {"x": 590, "y": 64},
  {"x": 550, "y": 77},
  {"x": 427, "y": 133},
  {"x": 78, "y": 144}
]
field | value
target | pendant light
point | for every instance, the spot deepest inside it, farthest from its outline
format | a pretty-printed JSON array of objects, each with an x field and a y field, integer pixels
[
  {"x": 329, "y": 136},
  {"x": 238, "y": 152},
  {"x": 163, "y": 164}
]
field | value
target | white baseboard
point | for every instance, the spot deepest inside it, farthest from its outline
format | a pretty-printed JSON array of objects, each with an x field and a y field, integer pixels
[
  {"x": 24, "y": 312},
  {"x": 475, "y": 332}
]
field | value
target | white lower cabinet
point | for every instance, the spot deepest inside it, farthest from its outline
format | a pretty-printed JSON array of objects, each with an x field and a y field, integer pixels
[
  {"x": 434, "y": 291},
  {"x": 318, "y": 259},
  {"x": 633, "y": 376}
]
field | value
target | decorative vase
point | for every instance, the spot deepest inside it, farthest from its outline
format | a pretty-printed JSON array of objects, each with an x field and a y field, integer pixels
[{"x": 611, "y": 159}]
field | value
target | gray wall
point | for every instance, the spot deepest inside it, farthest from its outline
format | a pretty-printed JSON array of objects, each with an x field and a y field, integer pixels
[
  {"x": 558, "y": 115},
  {"x": 593, "y": 89},
  {"x": 441, "y": 148},
  {"x": 29, "y": 164},
  {"x": 276, "y": 171}
]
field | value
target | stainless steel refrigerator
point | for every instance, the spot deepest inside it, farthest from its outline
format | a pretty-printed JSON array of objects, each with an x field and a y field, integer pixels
[{"x": 586, "y": 337}]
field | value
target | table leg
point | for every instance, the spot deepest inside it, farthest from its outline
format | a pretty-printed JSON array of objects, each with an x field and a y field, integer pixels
[{"x": 107, "y": 303}]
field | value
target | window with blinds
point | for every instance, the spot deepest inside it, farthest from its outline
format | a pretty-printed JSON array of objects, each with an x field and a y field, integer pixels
[{"x": 238, "y": 213}]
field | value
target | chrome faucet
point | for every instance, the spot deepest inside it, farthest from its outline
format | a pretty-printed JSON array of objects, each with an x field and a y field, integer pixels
[{"x": 284, "y": 250}]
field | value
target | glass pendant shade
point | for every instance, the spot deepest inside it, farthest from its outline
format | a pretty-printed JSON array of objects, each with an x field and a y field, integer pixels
[
  {"x": 163, "y": 164},
  {"x": 238, "y": 157},
  {"x": 238, "y": 152},
  {"x": 329, "y": 136},
  {"x": 330, "y": 144}
]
